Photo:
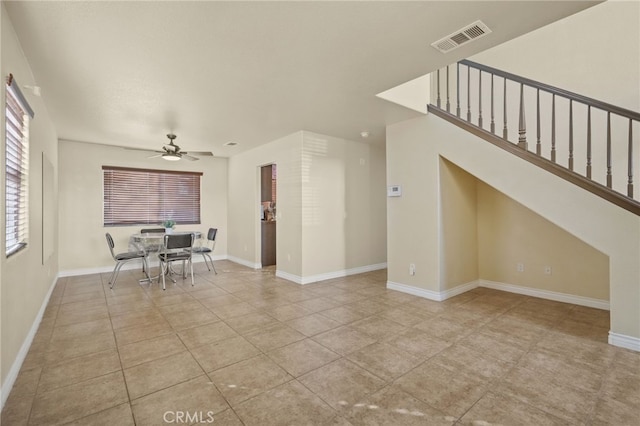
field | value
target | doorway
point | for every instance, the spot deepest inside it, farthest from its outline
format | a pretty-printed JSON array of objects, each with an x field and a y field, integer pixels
[{"x": 268, "y": 180}]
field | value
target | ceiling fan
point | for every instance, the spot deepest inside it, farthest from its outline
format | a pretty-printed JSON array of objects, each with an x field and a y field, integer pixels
[{"x": 173, "y": 152}]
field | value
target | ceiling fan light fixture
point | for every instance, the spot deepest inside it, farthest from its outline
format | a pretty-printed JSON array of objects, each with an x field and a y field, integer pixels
[{"x": 170, "y": 157}]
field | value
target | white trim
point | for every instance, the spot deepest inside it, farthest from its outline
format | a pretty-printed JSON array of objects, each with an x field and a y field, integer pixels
[
  {"x": 24, "y": 349},
  {"x": 329, "y": 275},
  {"x": 126, "y": 267},
  {"x": 289, "y": 277},
  {"x": 462, "y": 288},
  {"x": 623, "y": 341},
  {"x": 546, "y": 294},
  {"x": 416, "y": 291},
  {"x": 438, "y": 296},
  {"x": 246, "y": 263},
  {"x": 527, "y": 291}
]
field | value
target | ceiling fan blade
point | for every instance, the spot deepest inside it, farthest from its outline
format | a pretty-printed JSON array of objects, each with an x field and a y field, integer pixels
[
  {"x": 139, "y": 149},
  {"x": 202, "y": 153},
  {"x": 188, "y": 157},
  {"x": 156, "y": 156}
]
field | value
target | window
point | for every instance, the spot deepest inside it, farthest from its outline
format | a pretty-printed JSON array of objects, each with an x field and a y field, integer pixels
[
  {"x": 146, "y": 197},
  {"x": 17, "y": 115}
]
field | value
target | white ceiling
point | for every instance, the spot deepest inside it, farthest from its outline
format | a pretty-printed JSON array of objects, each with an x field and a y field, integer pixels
[{"x": 127, "y": 73}]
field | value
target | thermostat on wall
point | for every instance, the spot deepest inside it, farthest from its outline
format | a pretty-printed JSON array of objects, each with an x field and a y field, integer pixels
[{"x": 394, "y": 191}]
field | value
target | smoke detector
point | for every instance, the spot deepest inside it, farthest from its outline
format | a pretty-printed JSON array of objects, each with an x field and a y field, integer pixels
[{"x": 464, "y": 35}]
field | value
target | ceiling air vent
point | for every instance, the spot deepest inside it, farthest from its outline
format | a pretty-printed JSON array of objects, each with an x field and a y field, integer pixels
[{"x": 462, "y": 36}]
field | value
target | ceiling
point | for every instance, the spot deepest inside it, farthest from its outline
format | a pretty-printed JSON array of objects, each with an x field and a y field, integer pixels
[{"x": 127, "y": 73}]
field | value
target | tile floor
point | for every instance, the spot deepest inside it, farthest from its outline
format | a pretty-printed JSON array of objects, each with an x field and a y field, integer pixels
[{"x": 244, "y": 347}]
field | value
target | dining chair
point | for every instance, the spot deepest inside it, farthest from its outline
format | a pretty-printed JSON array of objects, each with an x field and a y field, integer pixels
[
  {"x": 176, "y": 247},
  {"x": 153, "y": 247},
  {"x": 122, "y": 258},
  {"x": 207, "y": 249}
]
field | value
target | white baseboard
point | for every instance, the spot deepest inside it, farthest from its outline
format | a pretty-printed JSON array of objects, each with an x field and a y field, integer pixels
[
  {"x": 438, "y": 296},
  {"x": 416, "y": 291},
  {"x": 126, "y": 267},
  {"x": 623, "y": 341},
  {"x": 462, "y": 288},
  {"x": 243, "y": 262},
  {"x": 546, "y": 294},
  {"x": 24, "y": 349},
  {"x": 527, "y": 291},
  {"x": 289, "y": 277},
  {"x": 329, "y": 275}
]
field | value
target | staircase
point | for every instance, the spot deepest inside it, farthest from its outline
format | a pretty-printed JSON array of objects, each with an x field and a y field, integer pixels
[{"x": 587, "y": 142}]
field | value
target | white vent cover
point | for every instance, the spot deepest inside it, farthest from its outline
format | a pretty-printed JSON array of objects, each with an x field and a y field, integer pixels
[{"x": 462, "y": 36}]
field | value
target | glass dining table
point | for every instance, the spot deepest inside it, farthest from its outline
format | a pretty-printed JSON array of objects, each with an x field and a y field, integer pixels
[{"x": 152, "y": 242}]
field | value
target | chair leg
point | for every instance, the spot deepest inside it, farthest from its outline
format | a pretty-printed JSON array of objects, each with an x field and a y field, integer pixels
[
  {"x": 163, "y": 272},
  {"x": 170, "y": 272},
  {"x": 204, "y": 256},
  {"x": 191, "y": 268},
  {"x": 114, "y": 274},
  {"x": 210, "y": 260},
  {"x": 145, "y": 268}
]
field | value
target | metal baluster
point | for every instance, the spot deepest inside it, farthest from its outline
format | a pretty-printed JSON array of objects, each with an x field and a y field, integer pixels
[
  {"x": 504, "y": 111},
  {"x": 458, "y": 89},
  {"x": 538, "y": 145},
  {"x": 469, "y": 94},
  {"x": 589, "y": 141},
  {"x": 522, "y": 126},
  {"x": 448, "y": 104},
  {"x": 609, "y": 177},
  {"x": 630, "y": 165},
  {"x": 553, "y": 128},
  {"x": 479, "y": 98},
  {"x": 571, "y": 134},
  {"x": 493, "y": 122},
  {"x": 438, "y": 89}
]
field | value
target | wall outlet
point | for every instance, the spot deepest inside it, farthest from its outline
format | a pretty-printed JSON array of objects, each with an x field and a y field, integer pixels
[
  {"x": 520, "y": 267},
  {"x": 412, "y": 269},
  {"x": 547, "y": 270}
]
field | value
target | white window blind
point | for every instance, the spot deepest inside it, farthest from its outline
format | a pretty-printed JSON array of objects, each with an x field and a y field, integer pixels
[
  {"x": 17, "y": 115},
  {"x": 145, "y": 197}
]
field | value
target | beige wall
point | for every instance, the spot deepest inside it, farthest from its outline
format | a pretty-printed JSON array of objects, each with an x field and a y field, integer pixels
[
  {"x": 509, "y": 233},
  {"x": 244, "y": 203},
  {"x": 459, "y": 232},
  {"x": 594, "y": 52},
  {"x": 413, "y": 218},
  {"x": 343, "y": 205},
  {"x": 330, "y": 208},
  {"x": 82, "y": 245},
  {"x": 485, "y": 234},
  {"x": 24, "y": 280},
  {"x": 413, "y": 149}
]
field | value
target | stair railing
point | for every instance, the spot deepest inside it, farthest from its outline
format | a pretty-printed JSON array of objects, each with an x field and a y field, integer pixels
[{"x": 559, "y": 129}]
